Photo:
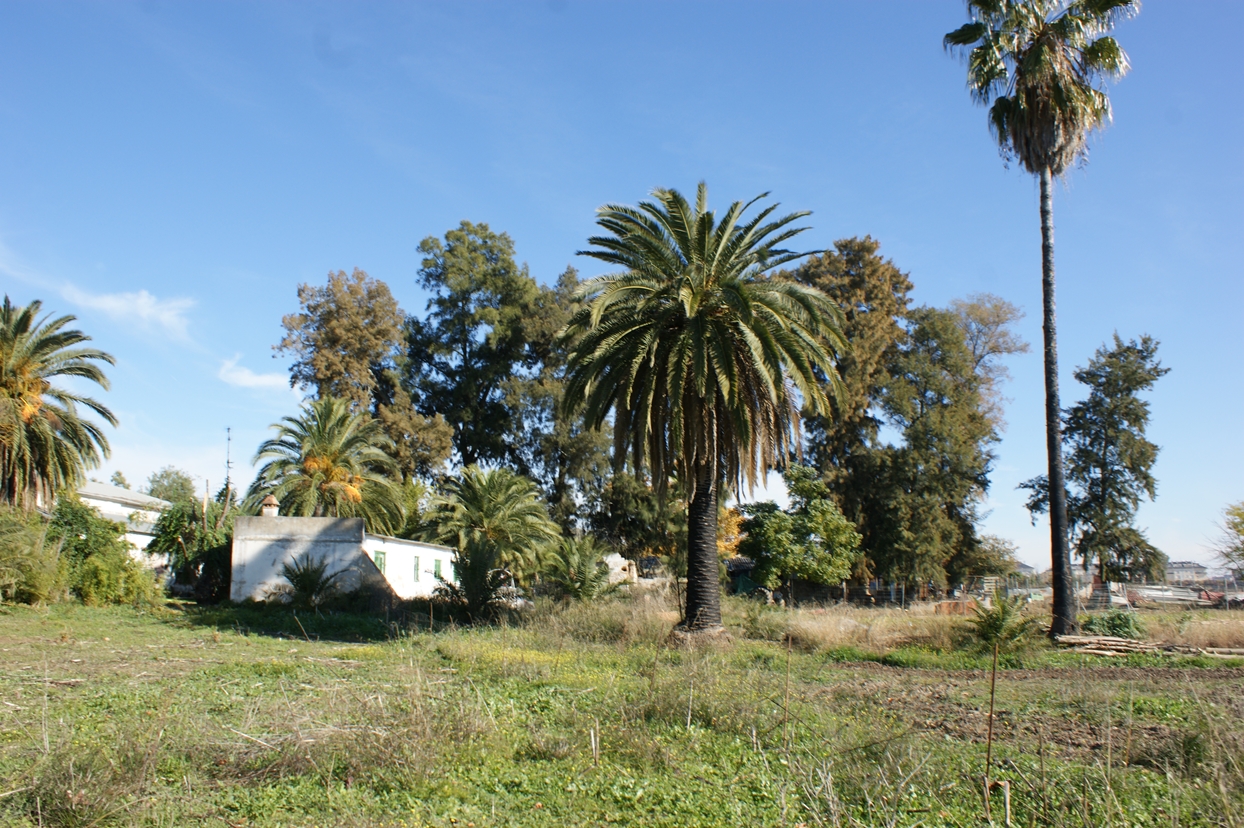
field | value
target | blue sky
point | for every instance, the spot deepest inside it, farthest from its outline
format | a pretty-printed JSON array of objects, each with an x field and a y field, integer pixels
[{"x": 169, "y": 173}]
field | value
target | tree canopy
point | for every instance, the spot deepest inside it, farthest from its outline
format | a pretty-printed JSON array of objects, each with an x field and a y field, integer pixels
[
  {"x": 697, "y": 354},
  {"x": 1110, "y": 462},
  {"x": 330, "y": 462},
  {"x": 46, "y": 445}
]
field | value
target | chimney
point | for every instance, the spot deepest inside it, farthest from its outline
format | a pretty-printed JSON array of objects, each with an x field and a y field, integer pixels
[{"x": 271, "y": 507}]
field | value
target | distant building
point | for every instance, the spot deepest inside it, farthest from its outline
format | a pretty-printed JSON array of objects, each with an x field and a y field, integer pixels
[
  {"x": 1023, "y": 570},
  {"x": 262, "y": 545},
  {"x": 1186, "y": 572},
  {"x": 138, "y": 512}
]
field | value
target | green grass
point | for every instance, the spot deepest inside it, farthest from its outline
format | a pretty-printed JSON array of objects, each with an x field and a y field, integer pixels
[{"x": 246, "y": 716}]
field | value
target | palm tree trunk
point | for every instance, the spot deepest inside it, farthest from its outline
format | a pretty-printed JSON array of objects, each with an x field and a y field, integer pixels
[
  {"x": 1064, "y": 620},
  {"x": 703, "y": 587}
]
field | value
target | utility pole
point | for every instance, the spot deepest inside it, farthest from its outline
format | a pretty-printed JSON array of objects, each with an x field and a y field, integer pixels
[{"x": 228, "y": 464}]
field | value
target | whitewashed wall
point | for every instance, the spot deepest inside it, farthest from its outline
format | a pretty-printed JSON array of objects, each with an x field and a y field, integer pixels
[{"x": 410, "y": 567}]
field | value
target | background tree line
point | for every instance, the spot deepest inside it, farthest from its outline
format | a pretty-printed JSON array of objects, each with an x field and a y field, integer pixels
[{"x": 480, "y": 376}]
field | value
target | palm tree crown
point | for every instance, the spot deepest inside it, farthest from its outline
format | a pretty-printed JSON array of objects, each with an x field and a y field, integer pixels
[
  {"x": 330, "y": 461},
  {"x": 702, "y": 358},
  {"x": 1041, "y": 63},
  {"x": 45, "y": 445},
  {"x": 495, "y": 516}
]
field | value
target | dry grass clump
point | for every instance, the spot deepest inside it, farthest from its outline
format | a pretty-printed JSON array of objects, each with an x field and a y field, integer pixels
[
  {"x": 876, "y": 630},
  {"x": 74, "y": 785},
  {"x": 1216, "y": 628},
  {"x": 644, "y": 619}
]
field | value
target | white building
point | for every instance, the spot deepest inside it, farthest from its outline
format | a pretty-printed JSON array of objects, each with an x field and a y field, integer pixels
[
  {"x": 138, "y": 512},
  {"x": 262, "y": 545},
  {"x": 1186, "y": 572}
]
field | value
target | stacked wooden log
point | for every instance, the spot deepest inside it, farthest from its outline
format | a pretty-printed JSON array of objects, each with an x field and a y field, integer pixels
[{"x": 1109, "y": 645}]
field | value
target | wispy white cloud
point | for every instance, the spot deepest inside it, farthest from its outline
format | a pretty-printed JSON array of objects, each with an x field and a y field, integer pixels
[
  {"x": 140, "y": 307},
  {"x": 242, "y": 377}
]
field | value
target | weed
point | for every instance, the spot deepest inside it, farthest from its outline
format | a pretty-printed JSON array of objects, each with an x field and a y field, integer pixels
[{"x": 1120, "y": 623}]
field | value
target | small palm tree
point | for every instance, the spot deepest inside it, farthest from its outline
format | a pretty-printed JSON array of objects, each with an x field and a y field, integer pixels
[
  {"x": 1042, "y": 64},
  {"x": 309, "y": 581},
  {"x": 495, "y": 520},
  {"x": 330, "y": 462},
  {"x": 46, "y": 446},
  {"x": 576, "y": 569},
  {"x": 702, "y": 359}
]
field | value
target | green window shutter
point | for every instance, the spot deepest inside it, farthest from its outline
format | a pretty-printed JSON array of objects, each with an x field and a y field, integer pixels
[
  {"x": 436, "y": 567},
  {"x": 416, "y": 567},
  {"x": 379, "y": 558}
]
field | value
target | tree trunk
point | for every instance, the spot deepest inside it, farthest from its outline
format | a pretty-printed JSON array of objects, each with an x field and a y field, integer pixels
[
  {"x": 1064, "y": 620},
  {"x": 703, "y": 584}
]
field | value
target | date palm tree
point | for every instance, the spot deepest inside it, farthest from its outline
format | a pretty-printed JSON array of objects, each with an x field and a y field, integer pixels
[
  {"x": 1041, "y": 66},
  {"x": 330, "y": 461},
  {"x": 702, "y": 358},
  {"x": 495, "y": 521},
  {"x": 46, "y": 446}
]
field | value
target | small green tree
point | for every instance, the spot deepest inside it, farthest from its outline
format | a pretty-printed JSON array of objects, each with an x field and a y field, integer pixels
[
  {"x": 575, "y": 568},
  {"x": 496, "y": 522},
  {"x": 197, "y": 544},
  {"x": 1110, "y": 463},
  {"x": 1231, "y": 545},
  {"x": 171, "y": 484},
  {"x": 811, "y": 540}
]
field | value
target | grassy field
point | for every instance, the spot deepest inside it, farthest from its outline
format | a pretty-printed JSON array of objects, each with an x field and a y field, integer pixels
[{"x": 581, "y": 716}]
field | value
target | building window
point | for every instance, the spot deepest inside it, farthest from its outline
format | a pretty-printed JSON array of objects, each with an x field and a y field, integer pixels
[
  {"x": 416, "y": 567},
  {"x": 436, "y": 567},
  {"x": 379, "y": 559}
]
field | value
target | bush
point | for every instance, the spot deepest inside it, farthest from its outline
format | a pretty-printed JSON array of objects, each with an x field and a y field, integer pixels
[
  {"x": 1004, "y": 624},
  {"x": 309, "y": 581},
  {"x": 30, "y": 571},
  {"x": 1119, "y": 623},
  {"x": 96, "y": 557},
  {"x": 574, "y": 568}
]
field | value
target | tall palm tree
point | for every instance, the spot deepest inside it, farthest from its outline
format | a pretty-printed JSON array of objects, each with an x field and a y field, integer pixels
[
  {"x": 330, "y": 461},
  {"x": 496, "y": 522},
  {"x": 1043, "y": 64},
  {"x": 698, "y": 354},
  {"x": 46, "y": 446}
]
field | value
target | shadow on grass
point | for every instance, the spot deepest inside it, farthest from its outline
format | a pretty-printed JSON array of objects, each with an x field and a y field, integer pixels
[{"x": 325, "y": 624}]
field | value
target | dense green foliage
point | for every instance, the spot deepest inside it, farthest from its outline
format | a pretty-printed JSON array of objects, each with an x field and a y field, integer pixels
[
  {"x": 198, "y": 544},
  {"x": 95, "y": 557},
  {"x": 46, "y": 445},
  {"x": 697, "y": 354},
  {"x": 499, "y": 529},
  {"x": 811, "y": 540},
  {"x": 574, "y": 569},
  {"x": 330, "y": 462},
  {"x": 346, "y": 340},
  {"x": 30, "y": 570},
  {"x": 933, "y": 377},
  {"x": 1110, "y": 463},
  {"x": 473, "y": 341},
  {"x": 171, "y": 484},
  {"x": 1120, "y": 623}
]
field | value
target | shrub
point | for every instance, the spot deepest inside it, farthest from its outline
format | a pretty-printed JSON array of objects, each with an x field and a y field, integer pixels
[
  {"x": 1119, "y": 623},
  {"x": 97, "y": 559},
  {"x": 30, "y": 571},
  {"x": 1004, "y": 624},
  {"x": 575, "y": 570},
  {"x": 309, "y": 581}
]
